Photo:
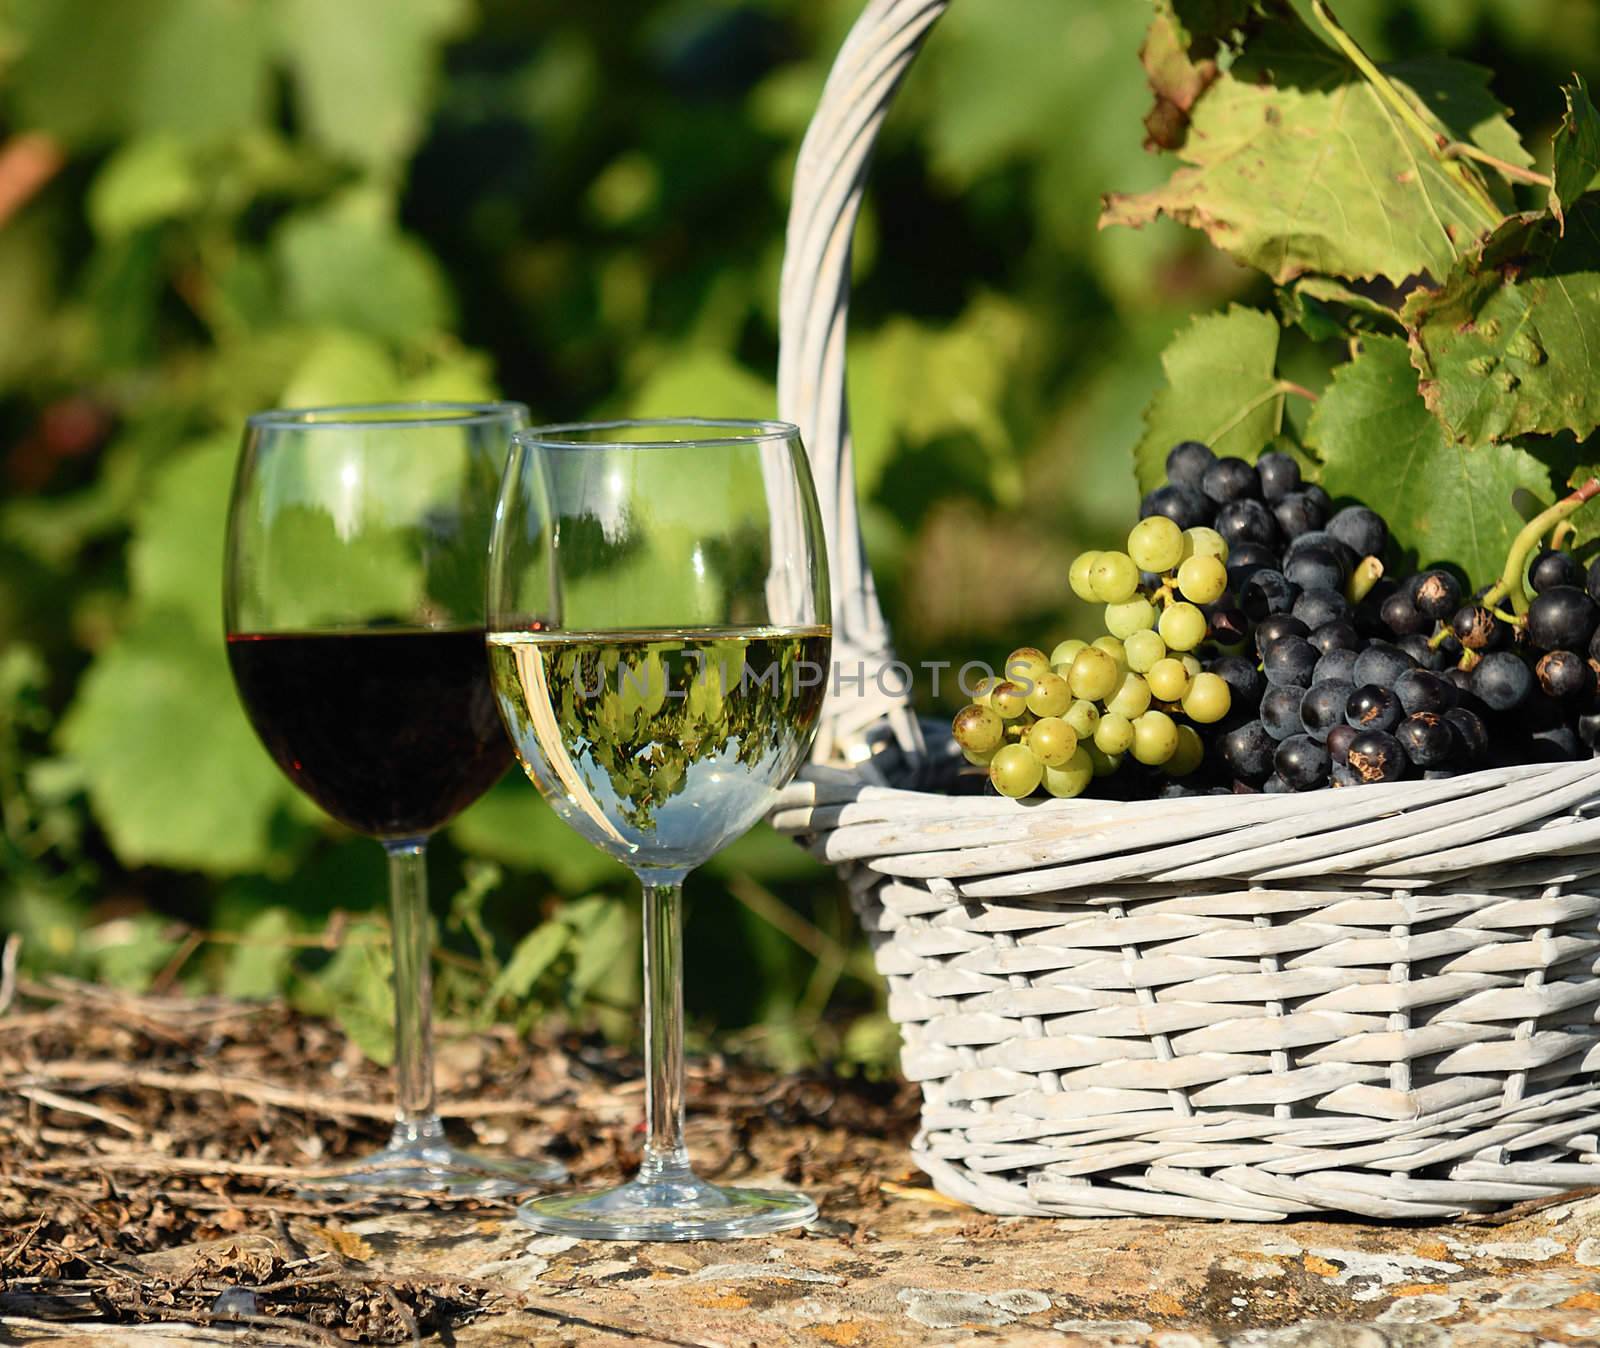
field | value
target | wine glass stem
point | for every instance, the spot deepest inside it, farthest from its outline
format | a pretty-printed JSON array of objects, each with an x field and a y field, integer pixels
[
  {"x": 415, "y": 1119},
  {"x": 665, "y": 1156}
]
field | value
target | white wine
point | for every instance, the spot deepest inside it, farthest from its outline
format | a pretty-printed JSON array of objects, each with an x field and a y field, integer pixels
[{"x": 663, "y": 746}]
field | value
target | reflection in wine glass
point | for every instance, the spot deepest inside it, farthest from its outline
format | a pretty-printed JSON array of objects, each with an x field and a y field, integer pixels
[
  {"x": 659, "y": 640},
  {"x": 353, "y": 601}
]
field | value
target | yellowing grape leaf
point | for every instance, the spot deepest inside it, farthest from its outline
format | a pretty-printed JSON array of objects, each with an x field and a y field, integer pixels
[
  {"x": 1222, "y": 388},
  {"x": 1379, "y": 444},
  {"x": 1576, "y": 149},
  {"x": 1506, "y": 346}
]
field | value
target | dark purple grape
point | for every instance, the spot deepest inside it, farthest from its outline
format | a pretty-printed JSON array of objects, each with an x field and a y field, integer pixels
[
  {"x": 1322, "y": 707},
  {"x": 1275, "y": 627},
  {"x": 1438, "y": 595},
  {"x": 1319, "y": 538},
  {"x": 1336, "y": 636},
  {"x": 1226, "y": 621},
  {"x": 1344, "y": 775},
  {"x": 1558, "y": 744},
  {"x": 1302, "y": 762},
  {"x": 1246, "y": 559},
  {"x": 1551, "y": 568},
  {"x": 1589, "y": 729},
  {"x": 1267, "y": 592},
  {"x": 1592, "y": 580},
  {"x": 1290, "y": 661},
  {"x": 1278, "y": 473},
  {"x": 1298, "y": 514},
  {"x": 1336, "y": 666},
  {"x": 1247, "y": 751},
  {"x": 1315, "y": 569},
  {"x": 1339, "y": 739},
  {"x": 1422, "y": 690},
  {"x": 1368, "y": 615},
  {"x": 1402, "y": 617},
  {"x": 1382, "y": 664},
  {"x": 1323, "y": 500},
  {"x": 1184, "y": 506},
  {"x": 1230, "y": 479},
  {"x": 1501, "y": 681},
  {"x": 1594, "y": 646},
  {"x": 1564, "y": 675},
  {"x": 1246, "y": 521},
  {"x": 1280, "y": 710},
  {"x": 1275, "y": 786},
  {"x": 1376, "y": 756},
  {"x": 1424, "y": 652},
  {"x": 1561, "y": 618},
  {"x": 1478, "y": 629},
  {"x": 1362, "y": 530},
  {"x": 1187, "y": 462},
  {"x": 1472, "y": 736},
  {"x": 1440, "y": 774},
  {"x": 1318, "y": 608},
  {"x": 1176, "y": 790},
  {"x": 1245, "y": 682},
  {"x": 1427, "y": 739},
  {"x": 1373, "y": 708}
]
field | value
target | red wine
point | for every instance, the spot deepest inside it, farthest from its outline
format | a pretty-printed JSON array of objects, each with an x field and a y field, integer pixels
[{"x": 393, "y": 733}]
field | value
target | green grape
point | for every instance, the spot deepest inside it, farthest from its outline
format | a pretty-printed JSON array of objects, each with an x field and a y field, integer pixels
[
  {"x": 1104, "y": 764},
  {"x": 1083, "y": 717},
  {"x": 1201, "y": 580},
  {"x": 979, "y": 729},
  {"x": 1078, "y": 576},
  {"x": 1072, "y": 778},
  {"x": 1136, "y": 615},
  {"x": 1156, "y": 544},
  {"x": 1155, "y": 738},
  {"x": 1191, "y": 663},
  {"x": 1143, "y": 649},
  {"x": 1113, "y": 647},
  {"x": 1114, "y": 734},
  {"x": 983, "y": 692},
  {"x": 1113, "y": 577},
  {"x": 1026, "y": 664},
  {"x": 1131, "y": 699},
  {"x": 1015, "y": 772},
  {"x": 1052, "y": 741},
  {"x": 1182, "y": 627},
  {"x": 1188, "y": 756},
  {"x": 1064, "y": 654},
  {"x": 1203, "y": 542},
  {"x": 1208, "y": 699},
  {"x": 1008, "y": 699},
  {"x": 1094, "y": 674},
  {"x": 1168, "y": 679},
  {"x": 979, "y": 760},
  {"x": 1051, "y": 695}
]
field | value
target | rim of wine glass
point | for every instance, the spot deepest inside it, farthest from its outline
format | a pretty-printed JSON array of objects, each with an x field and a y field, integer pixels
[
  {"x": 754, "y": 432},
  {"x": 390, "y": 415}
]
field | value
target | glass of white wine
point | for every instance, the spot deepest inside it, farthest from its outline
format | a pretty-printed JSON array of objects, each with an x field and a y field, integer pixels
[{"x": 659, "y": 643}]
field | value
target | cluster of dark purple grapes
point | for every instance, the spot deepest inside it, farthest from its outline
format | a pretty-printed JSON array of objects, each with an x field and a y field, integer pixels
[{"x": 1341, "y": 675}]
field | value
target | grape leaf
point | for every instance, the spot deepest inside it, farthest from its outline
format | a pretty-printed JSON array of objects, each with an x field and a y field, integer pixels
[
  {"x": 1505, "y": 346},
  {"x": 1576, "y": 149},
  {"x": 145, "y": 182},
  {"x": 1176, "y": 79},
  {"x": 1222, "y": 387},
  {"x": 1380, "y": 444},
  {"x": 175, "y": 775},
  {"x": 175, "y": 558},
  {"x": 1316, "y": 179}
]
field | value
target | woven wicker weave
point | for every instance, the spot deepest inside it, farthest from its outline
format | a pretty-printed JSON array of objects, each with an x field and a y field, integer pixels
[{"x": 1379, "y": 1000}]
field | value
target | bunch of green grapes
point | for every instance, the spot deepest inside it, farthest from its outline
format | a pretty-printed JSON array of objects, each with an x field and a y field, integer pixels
[{"x": 1058, "y": 721}]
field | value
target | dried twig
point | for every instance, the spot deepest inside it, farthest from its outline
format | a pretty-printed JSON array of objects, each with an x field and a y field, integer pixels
[
  {"x": 109, "y": 1117},
  {"x": 8, "y": 970}
]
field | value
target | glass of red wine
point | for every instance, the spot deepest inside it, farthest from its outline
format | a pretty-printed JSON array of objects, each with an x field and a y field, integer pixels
[
  {"x": 660, "y": 639},
  {"x": 354, "y": 608}
]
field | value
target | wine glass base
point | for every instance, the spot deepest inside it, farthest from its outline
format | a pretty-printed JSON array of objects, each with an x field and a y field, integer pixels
[
  {"x": 436, "y": 1167},
  {"x": 677, "y": 1209}
]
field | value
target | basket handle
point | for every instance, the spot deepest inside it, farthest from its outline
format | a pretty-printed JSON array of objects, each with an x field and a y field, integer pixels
[{"x": 829, "y": 180}]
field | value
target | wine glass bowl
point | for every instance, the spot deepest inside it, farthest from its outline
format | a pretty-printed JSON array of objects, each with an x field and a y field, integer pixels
[
  {"x": 659, "y": 647},
  {"x": 354, "y": 611}
]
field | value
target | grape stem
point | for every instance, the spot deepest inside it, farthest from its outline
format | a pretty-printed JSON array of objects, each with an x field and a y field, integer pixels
[
  {"x": 1562, "y": 532},
  {"x": 1511, "y": 579}
]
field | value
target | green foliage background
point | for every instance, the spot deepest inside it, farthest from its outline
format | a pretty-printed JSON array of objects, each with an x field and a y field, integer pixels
[{"x": 270, "y": 202}]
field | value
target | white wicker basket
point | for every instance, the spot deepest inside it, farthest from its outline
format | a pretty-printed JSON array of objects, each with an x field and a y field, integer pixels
[{"x": 1378, "y": 1001}]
